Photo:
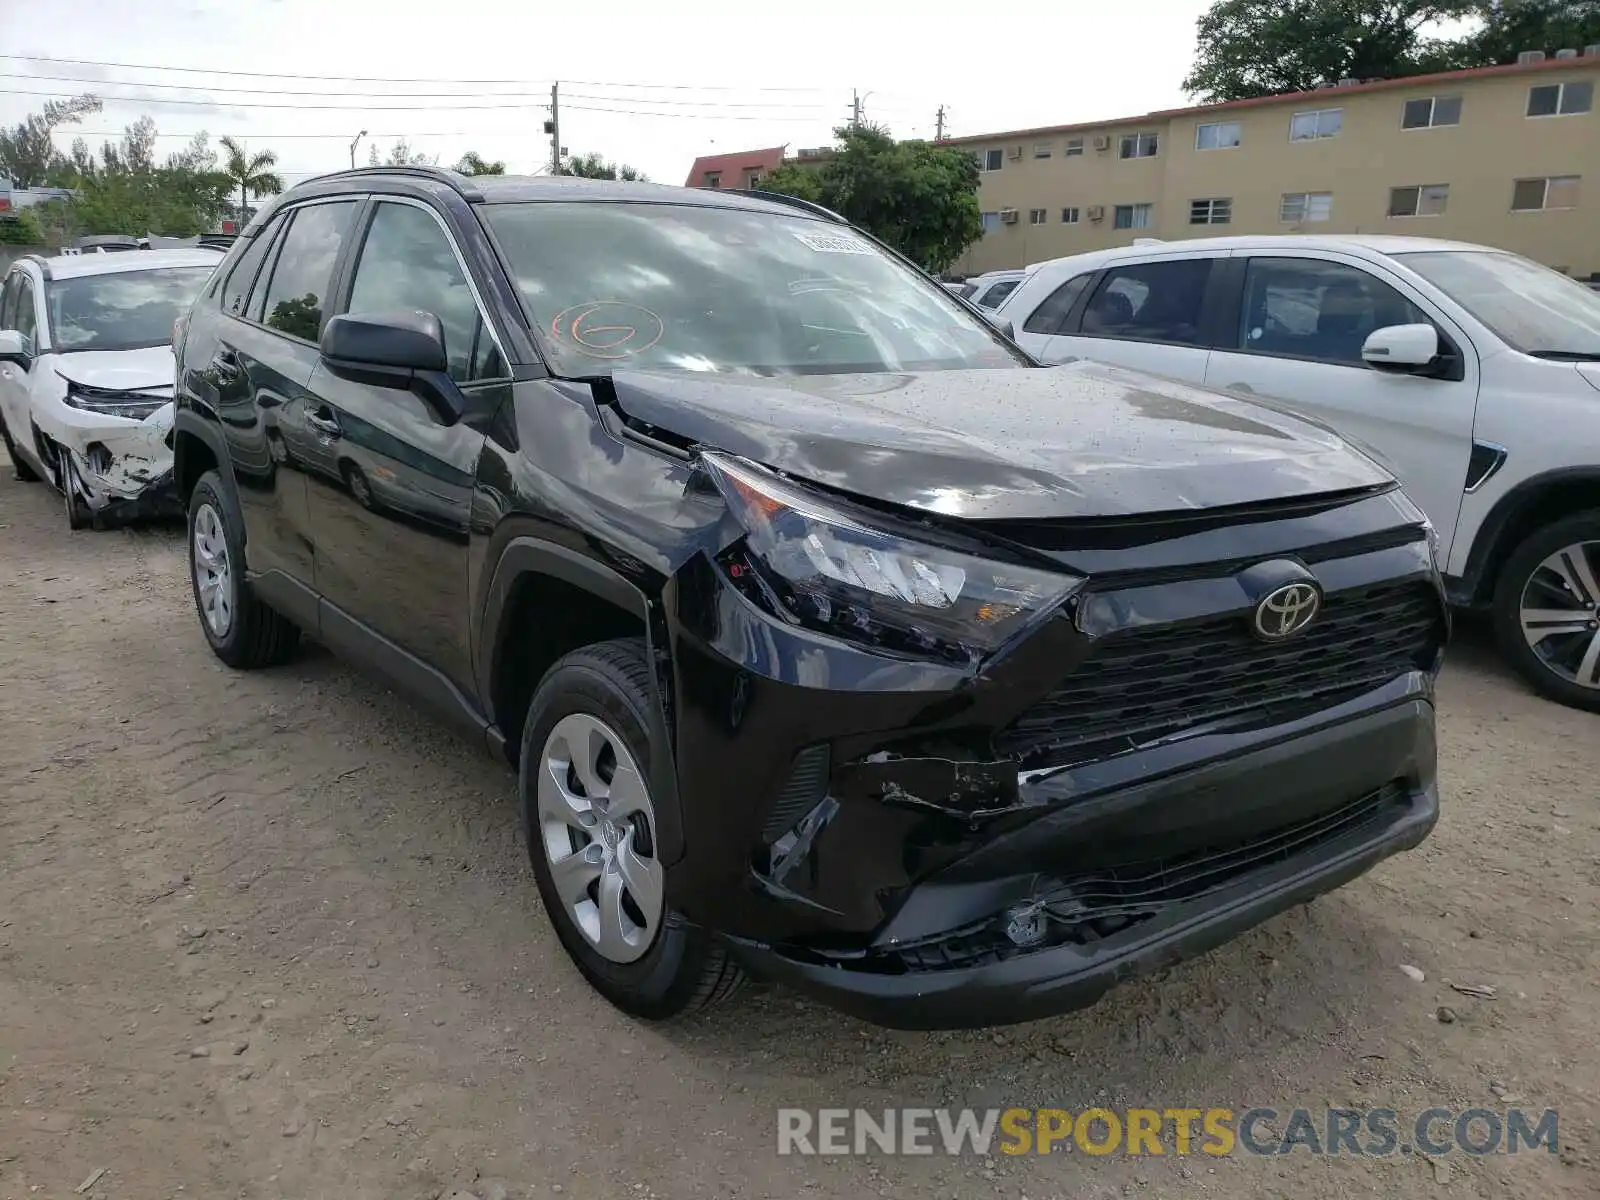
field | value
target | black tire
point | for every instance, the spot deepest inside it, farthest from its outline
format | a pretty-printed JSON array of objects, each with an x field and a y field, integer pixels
[
  {"x": 355, "y": 479},
  {"x": 686, "y": 970},
  {"x": 78, "y": 516},
  {"x": 258, "y": 636},
  {"x": 1515, "y": 577},
  {"x": 20, "y": 470}
]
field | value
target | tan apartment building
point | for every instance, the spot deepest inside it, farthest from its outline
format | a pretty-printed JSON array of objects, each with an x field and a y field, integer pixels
[{"x": 1506, "y": 156}]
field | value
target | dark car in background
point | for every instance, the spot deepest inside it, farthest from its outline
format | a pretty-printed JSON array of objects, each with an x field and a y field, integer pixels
[{"x": 833, "y": 639}]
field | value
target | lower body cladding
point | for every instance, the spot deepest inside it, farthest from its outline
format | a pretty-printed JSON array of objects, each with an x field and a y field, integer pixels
[
  {"x": 120, "y": 469},
  {"x": 928, "y": 849}
]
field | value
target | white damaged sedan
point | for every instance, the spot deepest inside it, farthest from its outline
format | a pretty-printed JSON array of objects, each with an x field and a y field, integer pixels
[{"x": 86, "y": 375}]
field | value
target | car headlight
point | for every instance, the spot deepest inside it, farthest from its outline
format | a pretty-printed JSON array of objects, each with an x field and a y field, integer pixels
[
  {"x": 135, "y": 406},
  {"x": 815, "y": 563}
]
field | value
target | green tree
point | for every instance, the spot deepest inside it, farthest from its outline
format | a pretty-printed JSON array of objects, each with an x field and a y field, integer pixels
[
  {"x": 28, "y": 154},
  {"x": 473, "y": 163},
  {"x": 252, "y": 174},
  {"x": 1264, "y": 47},
  {"x": 920, "y": 198},
  {"x": 593, "y": 166},
  {"x": 22, "y": 230},
  {"x": 1511, "y": 26},
  {"x": 402, "y": 155}
]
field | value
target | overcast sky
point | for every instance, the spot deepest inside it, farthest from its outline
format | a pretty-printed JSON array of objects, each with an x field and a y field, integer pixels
[{"x": 725, "y": 76}]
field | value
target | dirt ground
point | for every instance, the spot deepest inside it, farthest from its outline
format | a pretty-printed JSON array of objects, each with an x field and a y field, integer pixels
[{"x": 275, "y": 936}]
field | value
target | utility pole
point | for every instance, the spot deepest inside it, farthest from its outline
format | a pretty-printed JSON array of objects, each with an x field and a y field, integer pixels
[
  {"x": 938, "y": 125},
  {"x": 553, "y": 128}
]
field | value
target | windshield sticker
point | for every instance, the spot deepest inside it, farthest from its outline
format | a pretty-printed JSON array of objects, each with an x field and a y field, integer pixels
[
  {"x": 833, "y": 243},
  {"x": 610, "y": 329}
]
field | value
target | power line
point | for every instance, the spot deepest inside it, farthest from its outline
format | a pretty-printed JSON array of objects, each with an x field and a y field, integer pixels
[{"x": 692, "y": 87}]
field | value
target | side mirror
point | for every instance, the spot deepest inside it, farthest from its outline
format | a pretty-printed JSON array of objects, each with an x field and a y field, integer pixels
[
  {"x": 1401, "y": 348},
  {"x": 399, "y": 341},
  {"x": 14, "y": 348}
]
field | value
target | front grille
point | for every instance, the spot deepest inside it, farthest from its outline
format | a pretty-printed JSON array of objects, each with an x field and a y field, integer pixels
[
  {"x": 1087, "y": 908},
  {"x": 1144, "y": 684}
]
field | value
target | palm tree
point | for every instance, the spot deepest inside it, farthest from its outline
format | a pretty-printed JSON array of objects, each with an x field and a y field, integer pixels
[{"x": 252, "y": 174}]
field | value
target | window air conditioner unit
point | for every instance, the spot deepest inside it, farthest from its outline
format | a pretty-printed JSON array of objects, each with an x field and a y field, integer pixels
[
  {"x": 1008, "y": 216},
  {"x": 1531, "y": 56},
  {"x": 1014, "y": 152},
  {"x": 1097, "y": 212},
  {"x": 1566, "y": 54},
  {"x": 1102, "y": 141}
]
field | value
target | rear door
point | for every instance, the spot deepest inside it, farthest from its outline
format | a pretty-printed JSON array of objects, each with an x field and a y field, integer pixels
[
  {"x": 1149, "y": 314},
  {"x": 266, "y": 350},
  {"x": 13, "y": 378},
  {"x": 1297, "y": 335},
  {"x": 392, "y": 518}
]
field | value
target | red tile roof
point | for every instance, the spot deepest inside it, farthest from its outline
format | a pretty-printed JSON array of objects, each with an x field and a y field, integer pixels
[
  {"x": 1585, "y": 62},
  {"x": 733, "y": 165}
]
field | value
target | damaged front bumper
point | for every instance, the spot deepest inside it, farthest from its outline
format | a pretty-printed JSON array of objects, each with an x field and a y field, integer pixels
[{"x": 122, "y": 469}]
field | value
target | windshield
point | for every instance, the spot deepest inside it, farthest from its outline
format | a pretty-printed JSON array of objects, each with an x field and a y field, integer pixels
[
  {"x": 679, "y": 287},
  {"x": 1532, "y": 308},
  {"x": 125, "y": 310}
]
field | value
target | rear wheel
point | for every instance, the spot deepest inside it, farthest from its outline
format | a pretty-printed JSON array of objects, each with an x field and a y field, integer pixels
[
  {"x": 242, "y": 630},
  {"x": 593, "y": 839},
  {"x": 1547, "y": 610}
]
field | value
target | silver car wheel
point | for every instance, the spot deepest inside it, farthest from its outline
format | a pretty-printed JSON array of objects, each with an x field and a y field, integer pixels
[
  {"x": 598, "y": 828},
  {"x": 1560, "y": 613},
  {"x": 213, "y": 573}
]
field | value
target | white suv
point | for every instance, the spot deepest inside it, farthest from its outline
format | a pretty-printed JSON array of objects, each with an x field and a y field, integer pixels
[
  {"x": 86, "y": 375},
  {"x": 1473, "y": 373}
]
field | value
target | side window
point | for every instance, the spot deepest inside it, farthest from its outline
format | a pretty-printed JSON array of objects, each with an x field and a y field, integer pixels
[
  {"x": 8, "y": 300},
  {"x": 1309, "y": 308},
  {"x": 25, "y": 320},
  {"x": 997, "y": 293},
  {"x": 1150, "y": 302},
  {"x": 237, "y": 289},
  {"x": 487, "y": 361},
  {"x": 1052, "y": 313},
  {"x": 408, "y": 262},
  {"x": 303, "y": 272}
]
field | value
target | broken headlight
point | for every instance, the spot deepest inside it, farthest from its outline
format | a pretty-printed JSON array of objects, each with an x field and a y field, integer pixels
[
  {"x": 818, "y": 565},
  {"x": 113, "y": 402}
]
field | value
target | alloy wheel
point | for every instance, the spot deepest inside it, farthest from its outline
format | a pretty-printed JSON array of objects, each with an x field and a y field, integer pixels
[
  {"x": 1560, "y": 613},
  {"x": 597, "y": 826},
  {"x": 213, "y": 572}
]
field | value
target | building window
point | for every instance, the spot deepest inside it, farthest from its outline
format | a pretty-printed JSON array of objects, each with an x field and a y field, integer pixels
[
  {"x": 1537, "y": 195},
  {"x": 713, "y": 179},
  {"x": 1042, "y": 149},
  {"x": 1210, "y": 212},
  {"x": 993, "y": 159},
  {"x": 1305, "y": 206},
  {"x": 1430, "y": 111},
  {"x": 1322, "y": 123},
  {"x": 1133, "y": 216},
  {"x": 1069, "y": 216},
  {"x": 1139, "y": 145},
  {"x": 1422, "y": 200},
  {"x": 1037, "y": 216},
  {"x": 1219, "y": 135},
  {"x": 1560, "y": 99},
  {"x": 991, "y": 221},
  {"x": 1074, "y": 148}
]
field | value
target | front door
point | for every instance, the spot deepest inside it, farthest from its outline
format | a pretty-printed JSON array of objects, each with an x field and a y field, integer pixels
[
  {"x": 14, "y": 405},
  {"x": 393, "y": 516},
  {"x": 1298, "y": 339}
]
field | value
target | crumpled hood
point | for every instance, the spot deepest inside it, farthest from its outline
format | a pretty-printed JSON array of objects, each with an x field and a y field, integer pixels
[
  {"x": 1079, "y": 440},
  {"x": 119, "y": 370}
]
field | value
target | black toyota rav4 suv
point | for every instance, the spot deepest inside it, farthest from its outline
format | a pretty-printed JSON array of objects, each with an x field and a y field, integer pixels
[{"x": 835, "y": 641}]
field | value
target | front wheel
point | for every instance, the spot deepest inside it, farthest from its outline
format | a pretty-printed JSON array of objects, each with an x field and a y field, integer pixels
[
  {"x": 241, "y": 629},
  {"x": 594, "y": 842},
  {"x": 1547, "y": 610},
  {"x": 78, "y": 516}
]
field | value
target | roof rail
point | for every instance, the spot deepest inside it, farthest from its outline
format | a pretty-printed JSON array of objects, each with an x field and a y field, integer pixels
[
  {"x": 791, "y": 201},
  {"x": 459, "y": 183},
  {"x": 37, "y": 260}
]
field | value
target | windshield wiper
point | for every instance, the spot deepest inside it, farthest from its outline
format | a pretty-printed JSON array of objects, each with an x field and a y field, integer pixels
[{"x": 1566, "y": 355}]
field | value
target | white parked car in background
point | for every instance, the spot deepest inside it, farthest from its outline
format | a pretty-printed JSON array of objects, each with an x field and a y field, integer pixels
[
  {"x": 1473, "y": 373},
  {"x": 86, "y": 374},
  {"x": 990, "y": 290}
]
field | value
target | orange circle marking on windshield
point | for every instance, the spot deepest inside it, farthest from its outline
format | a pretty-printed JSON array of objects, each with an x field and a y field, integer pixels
[{"x": 612, "y": 329}]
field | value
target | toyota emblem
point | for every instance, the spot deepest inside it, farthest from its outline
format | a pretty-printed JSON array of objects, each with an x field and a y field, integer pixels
[{"x": 1286, "y": 611}]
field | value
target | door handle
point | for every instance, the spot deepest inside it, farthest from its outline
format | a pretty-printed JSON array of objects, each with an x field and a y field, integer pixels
[
  {"x": 226, "y": 364},
  {"x": 325, "y": 425}
]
